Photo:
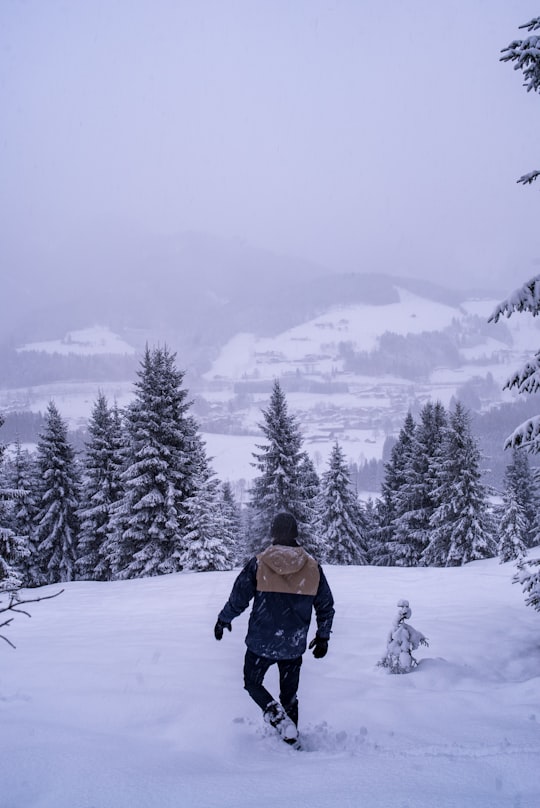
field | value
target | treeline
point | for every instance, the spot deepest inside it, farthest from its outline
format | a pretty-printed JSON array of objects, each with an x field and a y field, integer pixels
[
  {"x": 143, "y": 500},
  {"x": 140, "y": 500},
  {"x": 415, "y": 356},
  {"x": 29, "y": 368},
  {"x": 434, "y": 509}
]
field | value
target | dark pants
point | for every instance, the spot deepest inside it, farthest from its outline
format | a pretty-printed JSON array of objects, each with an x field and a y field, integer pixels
[{"x": 255, "y": 668}]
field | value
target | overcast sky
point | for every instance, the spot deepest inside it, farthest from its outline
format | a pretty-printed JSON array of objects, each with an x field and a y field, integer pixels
[{"x": 359, "y": 134}]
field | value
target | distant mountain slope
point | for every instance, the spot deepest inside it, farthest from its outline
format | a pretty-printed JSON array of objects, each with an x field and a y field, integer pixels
[{"x": 192, "y": 289}]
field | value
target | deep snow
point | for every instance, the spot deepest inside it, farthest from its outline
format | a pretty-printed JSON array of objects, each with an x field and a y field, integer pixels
[{"x": 118, "y": 695}]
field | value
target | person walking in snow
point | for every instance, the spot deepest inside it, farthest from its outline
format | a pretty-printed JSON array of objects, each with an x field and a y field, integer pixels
[{"x": 286, "y": 584}]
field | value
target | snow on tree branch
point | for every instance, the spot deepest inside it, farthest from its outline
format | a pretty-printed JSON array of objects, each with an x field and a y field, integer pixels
[
  {"x": 528, "y": 179},
  {"x": 526, "y": 54},
  {"x": 14, "y": 606},
  {"x": 526, "y": 298},
  {"x": 526, "y": 435},
  {"x": 527, "y": 379},
  {"x": 528, "y": 575},
  {"x": 532, "y": 25}
]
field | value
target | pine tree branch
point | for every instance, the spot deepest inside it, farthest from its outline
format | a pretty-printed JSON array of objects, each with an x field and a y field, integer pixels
[
  {"x": 526, "y": 298},
  {"x": 527, "y": 435},
  {"x": 528, "y": 179},
  {"x": 526, "y": 379},
  {"x": 532, "y": 25}
]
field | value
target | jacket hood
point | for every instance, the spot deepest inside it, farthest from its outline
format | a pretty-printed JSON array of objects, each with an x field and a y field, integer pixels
[{"x": 284, "y": 560}]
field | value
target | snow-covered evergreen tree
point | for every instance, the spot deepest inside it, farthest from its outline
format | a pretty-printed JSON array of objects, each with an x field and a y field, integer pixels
[
  {"x": 528, "y": 575},
  {"x": 520, "y": 479},
  {"x": 511, "y": 528},
  {"x": 370, "y": 521},
  {"x": 232, "y": 520},
  {"x": 339, "y": 514},
  {"x": 310, "y": 486},
  {"x": 461, "y": 525},
  {"x": 388, "y": 548},
  {"x": 527, "y": 378},
  {"x": 149, "y": 520},
  {"x": 101, "y": 489},
  {"x": 525, "y": 55},
  {"x": 13, "y": 549},
  {"x": 279, "y": 484},
  {"x": 22, "y": 481},
  {"x": 403, "y": 639},
  {"x": 207, "y": 545},
  {"x": 414, "y": 502},
  {"x": 56, "y": 518}
]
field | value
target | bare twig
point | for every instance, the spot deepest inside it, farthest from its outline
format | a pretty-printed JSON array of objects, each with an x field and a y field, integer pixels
[{"x": 13, "y": 605}]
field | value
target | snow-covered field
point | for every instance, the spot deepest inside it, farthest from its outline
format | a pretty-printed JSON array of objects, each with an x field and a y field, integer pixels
[
  {"x": 90, "y": 341},
  {"x": 119, "y": 696}
]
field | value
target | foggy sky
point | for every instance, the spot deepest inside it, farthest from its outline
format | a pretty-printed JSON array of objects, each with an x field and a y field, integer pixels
[{"x": 359, "y": 135}]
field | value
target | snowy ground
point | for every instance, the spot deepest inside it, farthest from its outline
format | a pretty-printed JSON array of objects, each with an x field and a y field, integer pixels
[{"x": 118, "y": 695}]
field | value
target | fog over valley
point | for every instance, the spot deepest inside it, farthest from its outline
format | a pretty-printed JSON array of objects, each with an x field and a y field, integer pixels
[{"x": 320, "y": 194}]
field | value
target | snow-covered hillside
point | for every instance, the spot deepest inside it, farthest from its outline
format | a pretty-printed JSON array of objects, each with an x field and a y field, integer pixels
[
  {"x": 86, "y": 342},
  {"x": 118, "y": 696},
  {"x": 329, "y": 400},
  {"x": 312, "y": 346},
  {"x": 358, "y": 410}
]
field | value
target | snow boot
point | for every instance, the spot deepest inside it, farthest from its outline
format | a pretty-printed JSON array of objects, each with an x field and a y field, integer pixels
[{"x": 276, "y": 716}]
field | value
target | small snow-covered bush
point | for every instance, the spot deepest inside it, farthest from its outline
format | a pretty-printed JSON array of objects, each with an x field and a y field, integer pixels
[{"x": 402, "y": 640}]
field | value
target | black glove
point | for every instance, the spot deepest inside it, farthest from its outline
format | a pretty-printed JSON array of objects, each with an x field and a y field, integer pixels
[
  {"x": 218, "y": 629},
  {"x": 319, "y": 645}
]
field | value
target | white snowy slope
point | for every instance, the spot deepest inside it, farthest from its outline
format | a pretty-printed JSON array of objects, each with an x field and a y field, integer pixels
[
  {"x": 97, "y": 339},
  {"x": 119, "y": 696}
]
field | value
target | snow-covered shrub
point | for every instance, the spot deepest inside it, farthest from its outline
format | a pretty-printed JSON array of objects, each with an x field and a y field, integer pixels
[{"x": 402, "y": 640}]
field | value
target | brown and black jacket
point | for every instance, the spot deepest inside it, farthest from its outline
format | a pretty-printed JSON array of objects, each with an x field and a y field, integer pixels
[{"x": 286, "y": 584}]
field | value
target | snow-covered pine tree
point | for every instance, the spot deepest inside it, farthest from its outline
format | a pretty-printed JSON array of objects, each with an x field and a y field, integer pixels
[
  {"x": 525, "y": 53},
  {"x": 101, "y": 489},
  {"x": 520, "y": 479},
  {"x": 310, "y": 485},
  {"x": 159, "y": 477},
  {"x": 207, "y": 545},
  {"x": 22, "y": 480},
  {"x": 527, "y": 378},
  {"x": 339, "y": 514},
  {"x": 526, "y": 56},
  {"x": 528, "y": 575},
  {"x": 414, "y": 498},
  {"x": 279, "y": 485},
  {"x": 511, "y": 529},
  {"x": 370, "y": 521},
  {"x": 13, "y": 549},
  {"x": 232, "y": 520},
  {"x": 56, "y": 518},
  {"x": 461, "y": 525},
  {"x": 387, "y": 551}
]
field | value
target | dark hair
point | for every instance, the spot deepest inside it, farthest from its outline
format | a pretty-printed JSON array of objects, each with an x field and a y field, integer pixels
[{"x": 284, "y": 529}]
